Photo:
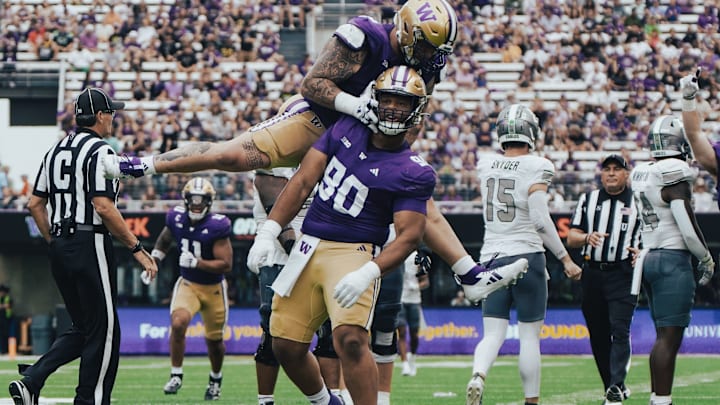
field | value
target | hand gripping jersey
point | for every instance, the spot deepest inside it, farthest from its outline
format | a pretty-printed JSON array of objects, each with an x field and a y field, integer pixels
[
  {"x": 659, "y": 229},
  {"x": 504, "y": 184},
  {"x": 197, "y": 239},
  {"x": 364, "y": 186},
  {"x": 362, "y": 32}
]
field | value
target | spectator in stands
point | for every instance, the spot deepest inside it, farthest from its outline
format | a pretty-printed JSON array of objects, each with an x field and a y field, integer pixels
[
  {"x": 702, "y": 198},
  {"x": 187, "y": 59},
  {"x": 88, "y": 39},
  {"x": 46, "y": 49}
]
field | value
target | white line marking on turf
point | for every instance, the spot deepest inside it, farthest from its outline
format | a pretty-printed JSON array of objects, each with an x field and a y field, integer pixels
[{"x": 595, "y": 395}]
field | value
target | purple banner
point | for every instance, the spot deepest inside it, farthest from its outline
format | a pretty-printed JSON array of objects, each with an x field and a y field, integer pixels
[{"x": 448, "y": 331}]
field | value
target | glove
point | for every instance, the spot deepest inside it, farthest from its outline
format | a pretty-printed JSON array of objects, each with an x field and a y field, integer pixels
[
  {"x": 424, "y": 262},
  {"x": 363, "y": 108},
  {"x": 689, "y": 85},
  {"x": 706, "y": 268},
  {"x": 349, "y": 289},
  {"x": 263, "y": 246},
  {"x": 432, "y": 66},
  {"x": 188, "y": 260},
  {"x": 126, "y": 167}
]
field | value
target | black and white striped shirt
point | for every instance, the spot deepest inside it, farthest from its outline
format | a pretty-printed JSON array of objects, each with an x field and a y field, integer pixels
[
  {"x": 70, "y": 176},
  {"x": 617, "y": 216}
]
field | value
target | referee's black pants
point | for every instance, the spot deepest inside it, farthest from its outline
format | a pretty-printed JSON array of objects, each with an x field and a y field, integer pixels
[
  {"x": 83, "y": 266},
  {"x": 608, "y": 309}
]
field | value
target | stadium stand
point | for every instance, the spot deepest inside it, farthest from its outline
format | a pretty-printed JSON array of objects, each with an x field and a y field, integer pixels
[{"x": 595, "y": 72}]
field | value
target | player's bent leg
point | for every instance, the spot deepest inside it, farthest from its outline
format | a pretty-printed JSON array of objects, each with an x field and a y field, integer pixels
[
  {"x": 359, "y": 369},
  {"x": 299, "y": 365}
]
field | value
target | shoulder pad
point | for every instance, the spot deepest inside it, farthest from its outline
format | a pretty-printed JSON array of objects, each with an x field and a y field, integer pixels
[
  {"x": 351, "y": 35},
  {"x": 673, "y": 171}
]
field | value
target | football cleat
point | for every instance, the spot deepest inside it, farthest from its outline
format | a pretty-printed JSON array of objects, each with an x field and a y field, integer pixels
[
  {"x": 212, "y": 393},
  {"x": 334, "y": 399},
  {"x": 173, "y": 385},
  {"x": 475, "y": 389},
  {"x": 480, "y": 282},
  {"x": 21, "y": 395},
  {"x": 613, "y": 396},
  {"x": 406, "y": 369}
]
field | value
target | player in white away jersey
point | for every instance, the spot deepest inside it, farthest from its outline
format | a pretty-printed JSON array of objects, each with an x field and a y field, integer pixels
[
  {"x": 517, "y": 225},
  {"x": 671, "y": 236}
]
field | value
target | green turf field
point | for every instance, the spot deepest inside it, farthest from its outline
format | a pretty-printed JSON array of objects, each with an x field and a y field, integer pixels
[{"x": 565, "y": 380}]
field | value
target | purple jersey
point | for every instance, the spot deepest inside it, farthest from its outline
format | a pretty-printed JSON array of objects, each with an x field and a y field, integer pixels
[
  {"x": 363, "y": 186},
  {"x": 197, "y": 239},
  {"x": 380, "y": 56}
]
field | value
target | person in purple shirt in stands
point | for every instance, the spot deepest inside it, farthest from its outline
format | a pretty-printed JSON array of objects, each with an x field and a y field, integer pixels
[
  {"x": 367, "y": 180},
  {"x": 204, "y": 257}
]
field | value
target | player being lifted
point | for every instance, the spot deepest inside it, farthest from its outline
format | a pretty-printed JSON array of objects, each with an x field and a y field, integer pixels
[{"x": 422, "y": 36}]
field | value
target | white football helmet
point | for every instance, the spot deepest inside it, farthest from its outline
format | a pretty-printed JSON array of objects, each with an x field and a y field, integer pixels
[
  {"x": 516, "y": 123},
  {"x": 403, "y": 81},
  {"x": 198, "y": 195},
  {"x": 426, "y": 23},
  {"x": 667, "y": 138}
]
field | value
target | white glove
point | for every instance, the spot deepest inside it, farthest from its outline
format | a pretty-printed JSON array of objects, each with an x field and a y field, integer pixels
[
  {"x": 188, "y": 260},
  {"x": 349, "y": 289},
  {"x": 706, "y": 268},
  {"x": 263, "y": 246},
  {"x": 111, "y": 166},
  {"x": 689, "y": 86},
  {"x": 363, "y": 108},
  {"x": 145, "y": 277}
]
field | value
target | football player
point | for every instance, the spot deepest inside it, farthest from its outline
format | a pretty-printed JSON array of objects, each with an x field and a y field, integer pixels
[
  {"x": 423, "y": 36},
  {"x": 671, "y": 236},
  {"x": 517, "y": 226},
  {"x": 205, "y": 255},
  {"x": 368, "y": 180}
]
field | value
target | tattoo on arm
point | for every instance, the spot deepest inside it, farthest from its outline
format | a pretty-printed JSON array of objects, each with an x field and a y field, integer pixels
[
  {"x": 335, "y": 64},
  {"x": 193, "y": 149}
]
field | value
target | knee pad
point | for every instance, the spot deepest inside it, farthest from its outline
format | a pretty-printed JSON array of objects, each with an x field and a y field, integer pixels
[
  {"x": 384, "y": 359},
  {"x": 324, "y": 346},
  {"x": 264, "y": 353},
  {"x": 384, "y": 344}
]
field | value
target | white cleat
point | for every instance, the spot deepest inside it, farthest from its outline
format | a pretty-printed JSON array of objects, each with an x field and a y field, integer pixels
[
  {"x": 406, "y": 371},
  {"x": 487, "y": 281},
  {"x": 475, "y": 389}
]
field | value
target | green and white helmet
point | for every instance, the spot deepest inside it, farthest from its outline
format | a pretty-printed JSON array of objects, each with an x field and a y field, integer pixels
[
  {"x": 667, "y": 138},
  {"x": 516, "y": 123}
]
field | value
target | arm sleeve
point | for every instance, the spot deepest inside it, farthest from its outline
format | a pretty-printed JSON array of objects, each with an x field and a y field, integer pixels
[
  {"x": 693, "y": 241},
  {"x": 540, "y": 216}
]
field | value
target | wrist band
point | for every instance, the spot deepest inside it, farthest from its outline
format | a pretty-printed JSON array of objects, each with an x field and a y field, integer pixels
[
  {"x": 688, "y": 105},
  {"x": 138, "y": 247}
]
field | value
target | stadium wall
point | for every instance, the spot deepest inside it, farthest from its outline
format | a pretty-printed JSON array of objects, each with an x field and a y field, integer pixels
[{"x": 447, "y": 331}]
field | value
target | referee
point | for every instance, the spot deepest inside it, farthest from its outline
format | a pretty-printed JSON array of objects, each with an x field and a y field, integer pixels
[
  {"x": 607, "y": 228},
  {"x": 74, "y": 207}
]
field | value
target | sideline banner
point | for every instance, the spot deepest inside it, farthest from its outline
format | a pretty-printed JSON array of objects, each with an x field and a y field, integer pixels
[{"x": 449, "y": 331}]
